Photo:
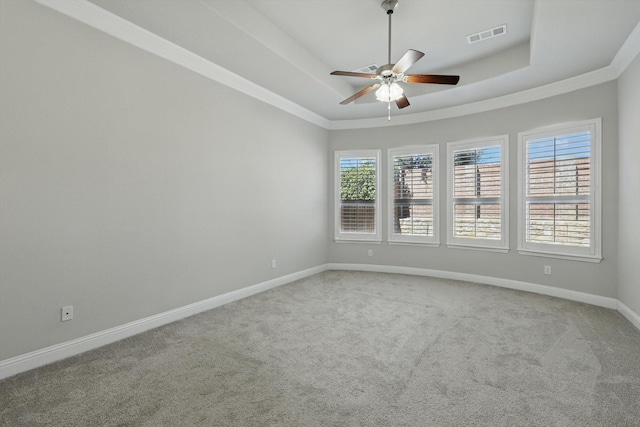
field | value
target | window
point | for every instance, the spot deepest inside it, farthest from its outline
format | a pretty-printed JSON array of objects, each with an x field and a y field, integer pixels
[
  {"x": 559, "y": 191},
  {"x": 477, "y": 208},
  {"x": 357, "y": 183},
  {"x": 413, "y": 195}
]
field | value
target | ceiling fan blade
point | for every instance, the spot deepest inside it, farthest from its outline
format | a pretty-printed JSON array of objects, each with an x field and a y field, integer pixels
[
  {"x": 402, "y": 102},
  {"x": 407, "y": 60},
  {"x": 352, "y": 74},
  {"x": 432, "y": 78},
  {"x": 364, "y": 91}
]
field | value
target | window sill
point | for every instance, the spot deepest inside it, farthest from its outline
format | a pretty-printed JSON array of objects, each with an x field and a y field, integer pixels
[
  {"x": 582, "y": 258},
  {"x": 478, "y": 248},
  {"x": 371, "y": 242},
  {"x": 428, "y": 244}
]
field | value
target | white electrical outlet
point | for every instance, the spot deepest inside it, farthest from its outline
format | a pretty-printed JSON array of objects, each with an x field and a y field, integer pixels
[
  {"x": 370, "y": 252},
  {"x": 67, "y": 313},
  {"x": 274, "y": 263},
  {"x": 547, "y": 270}
]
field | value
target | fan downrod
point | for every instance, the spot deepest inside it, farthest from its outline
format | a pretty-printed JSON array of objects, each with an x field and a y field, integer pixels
[{"x": 389, "y": 6}]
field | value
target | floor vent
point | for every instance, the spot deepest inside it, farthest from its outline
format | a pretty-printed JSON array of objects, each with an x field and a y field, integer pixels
[{"x": 487, "y": 34}]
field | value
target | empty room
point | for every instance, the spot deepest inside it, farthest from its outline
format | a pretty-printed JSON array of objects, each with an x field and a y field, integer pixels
[{"x": 320, "y": 212}]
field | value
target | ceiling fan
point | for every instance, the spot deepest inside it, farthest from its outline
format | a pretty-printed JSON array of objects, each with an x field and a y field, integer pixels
[{"x": 388, "y": 76}]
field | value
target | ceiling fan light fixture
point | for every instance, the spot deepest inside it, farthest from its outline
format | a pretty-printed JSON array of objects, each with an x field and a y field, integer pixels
[
  {"x": 386, "y": 76},
  {"x": 389, "y": 92}
]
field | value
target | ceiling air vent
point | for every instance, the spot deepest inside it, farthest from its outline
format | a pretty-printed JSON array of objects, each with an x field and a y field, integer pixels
[
  {"x": 487, "y": 34},
  {"x": 368, "y": 69}
]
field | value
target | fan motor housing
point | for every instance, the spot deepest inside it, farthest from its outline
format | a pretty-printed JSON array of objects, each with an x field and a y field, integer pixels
[{"x": 385, "y": 70}]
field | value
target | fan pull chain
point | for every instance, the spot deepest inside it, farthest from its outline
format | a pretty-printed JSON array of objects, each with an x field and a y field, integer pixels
[{"x": 389, "y": 111}]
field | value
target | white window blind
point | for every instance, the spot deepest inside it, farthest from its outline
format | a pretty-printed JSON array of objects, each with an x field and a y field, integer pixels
[
  {"x": 477, "y": 189},
  {"x": 357, "y": 182},
  {"x": 413, "y": 195},
  {"x": 558, "y": 202},
  {"x": 558, "y": 186}
]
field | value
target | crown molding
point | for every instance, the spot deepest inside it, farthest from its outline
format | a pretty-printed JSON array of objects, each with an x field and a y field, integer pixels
[
  {"x": 628, "y": 52},
  {"x": 105, "y": 21},
  {"x": 100, "y": 19},
  {"x": 541, "y": 92}
]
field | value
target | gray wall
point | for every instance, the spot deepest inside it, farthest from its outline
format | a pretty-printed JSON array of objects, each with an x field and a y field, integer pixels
[
  {"x": 131, "y": 186},
  {"x": 598, "y": 279},
  {"x": 629, "y": 192}
]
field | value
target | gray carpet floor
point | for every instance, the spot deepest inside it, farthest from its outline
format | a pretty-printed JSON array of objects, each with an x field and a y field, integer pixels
[{"x": 353, "y": 349}]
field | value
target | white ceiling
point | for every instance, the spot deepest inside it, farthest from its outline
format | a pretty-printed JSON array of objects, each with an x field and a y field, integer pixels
[{"x": 289, "y": 47}]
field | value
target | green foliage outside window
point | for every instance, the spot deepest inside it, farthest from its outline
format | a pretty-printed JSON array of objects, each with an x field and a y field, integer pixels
[{"x": 358, "y": 183}]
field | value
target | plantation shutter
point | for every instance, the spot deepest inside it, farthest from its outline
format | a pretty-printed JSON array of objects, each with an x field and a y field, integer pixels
[
  {"x": 358, "y": 194},
  {"x": 558, "y": 190},
  {"x": 413, "y": 195},
  {"x": 477, "y": 191}
]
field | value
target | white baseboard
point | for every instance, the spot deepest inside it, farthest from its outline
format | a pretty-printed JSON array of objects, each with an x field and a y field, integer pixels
[
  {"x": 631, "y": 315},
  {"x": 47, "y": 355},
  {"x": 485, "y": 280}
]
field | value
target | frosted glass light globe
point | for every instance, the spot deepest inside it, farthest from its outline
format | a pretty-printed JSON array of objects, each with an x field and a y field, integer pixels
[{"x": 389, "y": 92}]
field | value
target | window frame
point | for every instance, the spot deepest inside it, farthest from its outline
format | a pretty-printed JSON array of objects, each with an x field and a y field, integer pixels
[
  {"x": 395, "y": 238},
  {"x": 594, "y": 252},
  {"x": 493, "y": 245},
  {"x": 339, "y": 235}
]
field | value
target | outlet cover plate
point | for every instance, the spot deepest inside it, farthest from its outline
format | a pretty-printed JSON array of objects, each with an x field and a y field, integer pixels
[{"x": 67, "y": 313}]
